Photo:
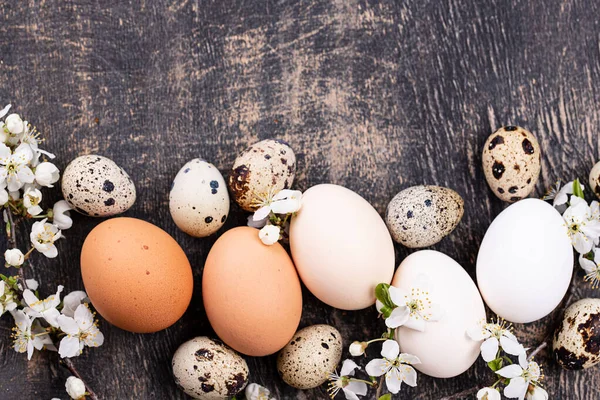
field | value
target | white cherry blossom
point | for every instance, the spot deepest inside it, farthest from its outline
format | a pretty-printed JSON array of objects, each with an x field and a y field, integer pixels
[
  {"x": 8, "y": 301},
  {"x": 284, "y": 202},
  {"x": 495, "y": 335},
  {"x": 43, "y": 308},
  {"x": 395, "y": 365},
  {"x": 31, "y": 200},
  {"x": 413, "y": 310},
  {"x": 72, "y": 301},
  {"x": 14, "y": 257},
  {"x": 269, "y": 234},
  {"x": 254, "y": 391},
  {"x": 46, "y": 174},
  {"x": 14, "y": 166},
  {"x": 583, "y": 228},
  {"x": 43, "y": 235},
  {"x": 28, "y": 335},
  {"x": 521, "y": 376},
  {"x": 61, "y": 216},
  {"x": 344, "y": 382},
  {"x": 81, "y": 331},
  {"x": 591, "y": 267}
]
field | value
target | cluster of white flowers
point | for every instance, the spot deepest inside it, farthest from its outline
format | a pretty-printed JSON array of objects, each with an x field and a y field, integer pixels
[
  {"x": 583, "y": 225},
  {"x": 523, "y": 378},
  {"x": 23, "y": 172},
  {"x": 411, "y": 309},
  {"x": 40, "y": 320},
  {"x": 273, "y": 214}
]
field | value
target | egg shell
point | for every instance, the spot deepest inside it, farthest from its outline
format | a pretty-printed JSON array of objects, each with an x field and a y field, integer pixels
[
  {"x": 576, "y": 341},
  {"x": 136, "y": 275},
  {"x": 199, "y": 200},
  {"x": 265, "y": 167},
  {"x": 341, "y": 247},
  {"x": 454, "y": 291},
  {"x": 420, "y": 216},
  {"x": 525, "y": 261},
  {"x": 511, "y": 162},
  {"x": 251, "y": 293},
  {"x": 96, "y": 186},
  {"x": 594, "y": 179},
  {"x": 206, "y": 368},
  {"x": 313, "y": 353}
]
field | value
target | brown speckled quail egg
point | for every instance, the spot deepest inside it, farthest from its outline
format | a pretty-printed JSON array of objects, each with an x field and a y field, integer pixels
[
  {"x": 310, "y": 356},
  {"x": 206, "y": 368},
  {"x": 511, "y": 162},
  {"x": 576, "y": 342},
  {"x": 595, "y": 179},
  {"x": 266, "y": 166},
  {"x": 96, "y": 186},
  {"x": 420, "y": 216},
  {"x": 199, "y": 201}
]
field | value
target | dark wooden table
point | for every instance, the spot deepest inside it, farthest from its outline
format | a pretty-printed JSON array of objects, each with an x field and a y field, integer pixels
[{"x": 375, "y": 96}]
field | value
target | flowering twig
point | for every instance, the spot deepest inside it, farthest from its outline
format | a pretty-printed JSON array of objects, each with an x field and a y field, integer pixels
[{"x": 71, "y": 367}]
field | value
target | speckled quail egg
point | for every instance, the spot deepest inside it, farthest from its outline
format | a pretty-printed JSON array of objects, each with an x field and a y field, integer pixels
[
  {"x": 313, "y": 353},
  {"x": 595, "y": 179},
  {"x": 96, "y": 186},
  {"x": 199, "y": 201},
  {"x": 576, "y": 341},
  {"x": 421, "y": 216},
  {"x": 264, "y": 168},
  {"x": 511, "y": 162},
  {"x": 206, "y": 368}
]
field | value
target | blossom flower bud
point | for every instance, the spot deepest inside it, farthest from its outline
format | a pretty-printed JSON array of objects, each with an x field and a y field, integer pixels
[
  {"x": 14, "y": 257},
  {"x": 269, "y": 234},
  {"x": 60, "y": 215},
  {"x": 14, "y": 124},
  {"x": 46, "y": 174},
  {"x": 75, "y": 387},
  {"x": 358, "y": 348}
]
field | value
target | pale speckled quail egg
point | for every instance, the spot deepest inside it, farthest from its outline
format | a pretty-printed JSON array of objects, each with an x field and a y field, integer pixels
[
  {"x": 576, "y": 342},
  {"x": 421, "y": 216},
  {"x": 199, "y": 201},
  {"x": 310, "y": 356},
  {"x": 97, "y": 186},
  {"x": 206, "y": 368},
  {"x": 265, "y": 167},
  {"x": 511, "y": 162},
  {"x": 595, "y": 179}
]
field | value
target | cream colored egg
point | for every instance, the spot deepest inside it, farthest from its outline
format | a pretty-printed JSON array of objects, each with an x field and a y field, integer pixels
[
  {"x": 313, "y": 353},
  {"x": 341, "y": 247},
  {"x": 206, "y": 368},
  {"x": 199, "y": 201},
  {"x": 511, "y": 162},
  {"x": 525, "y": 261},
  {"x": 443, "y": 347}
]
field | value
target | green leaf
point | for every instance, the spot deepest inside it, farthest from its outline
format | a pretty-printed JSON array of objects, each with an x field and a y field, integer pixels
[
  {"x": 577, "y": 189},
  {"x": 496, "y": 364},
  {"x": 382, "y": 293},
  {"x": 386, "y": 311},
  {"x": 386, "y": 396}
]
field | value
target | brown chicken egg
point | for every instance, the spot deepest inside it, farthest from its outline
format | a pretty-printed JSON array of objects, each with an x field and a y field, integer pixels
[
  {"x": 136, "y": 275},
  {"x": 251, "y": 293}
]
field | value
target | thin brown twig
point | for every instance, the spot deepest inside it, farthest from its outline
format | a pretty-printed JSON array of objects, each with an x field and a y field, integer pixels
[
  {"x": 379, "y": 387},
  {"x": 12, "y": 238}
]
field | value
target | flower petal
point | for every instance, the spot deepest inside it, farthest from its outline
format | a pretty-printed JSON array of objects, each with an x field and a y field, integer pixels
[
  {"x": 393, "y": 380},
  {"x": 261, "y": 213},
  {"x": 67, "y": 325},
  {"x": 390, "y": 349},
  {"x": 489, "y": 349},
  {"x": 398, "y": 317},
  {"x": 348, "y": 391},
  {"x": 398, "y": 296},
  {"x": 377, "y": 367},
  {"x": 69, "y": 347},
  {"x": 415, "y": 322},
  {"x": 511, "y": 346},
  {"x": 516, "y": 388},
  {"x": 410, "y": 375},
  {"x": 510, "y": 371},
  {"x": 348, "y": 367},
  {"x": 357, "y": 387},
  {"x": 409, "y": 358}
]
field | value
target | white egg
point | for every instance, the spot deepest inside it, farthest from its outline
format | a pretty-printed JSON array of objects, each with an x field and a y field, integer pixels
[
  {"x": 341, "y": 247},
  {"x": 199, "y": 201},
  {"x": 443, "y": 347},
  {"x": 525, "y": 261}
]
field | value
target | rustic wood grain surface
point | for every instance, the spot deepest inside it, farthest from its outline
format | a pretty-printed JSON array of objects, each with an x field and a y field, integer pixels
[{"x": 373, "y": 95}]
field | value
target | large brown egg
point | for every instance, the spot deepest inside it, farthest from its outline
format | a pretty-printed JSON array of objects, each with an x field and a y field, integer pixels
[
  {"x": 251, "y": 293},
  {"x": 136, "y": 275}
]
